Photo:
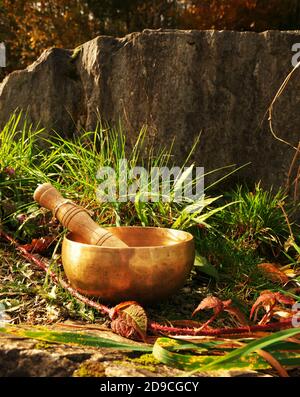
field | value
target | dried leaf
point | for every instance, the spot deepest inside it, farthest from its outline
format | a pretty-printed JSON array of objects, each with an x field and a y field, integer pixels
[
  {"x": 265, "y": 298},
  {"x": 273, "y": 273},
  {"x": 210, "y": 302},
  {"x": 114, "y": 311},
  {"x": 218, "y": 306},
  {"x": 268, "y": 300},
  {"x": 291, "y": 273},
  {"x": 282, "y": 313},
  {"x": 238, "y": 314},
  {"x": 130, "y": 322},
  {"x": 38, "y": 245},
  {"x": 286, "y": 300}
]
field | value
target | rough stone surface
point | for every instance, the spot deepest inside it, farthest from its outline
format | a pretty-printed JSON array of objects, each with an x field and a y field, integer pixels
[
  {"x": 31, "y": 358},
  {"x": 178, "y": 83}
]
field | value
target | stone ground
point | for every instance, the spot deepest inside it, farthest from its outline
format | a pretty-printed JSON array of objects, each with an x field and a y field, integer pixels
[{"x": 20, "y": 357}]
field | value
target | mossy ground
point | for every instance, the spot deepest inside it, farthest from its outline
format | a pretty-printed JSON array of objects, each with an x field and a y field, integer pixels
[
  {"x": 90, "y": 369},
  {"x": 144, "y": 362}
]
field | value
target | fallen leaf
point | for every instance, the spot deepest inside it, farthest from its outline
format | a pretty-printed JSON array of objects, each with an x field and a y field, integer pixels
[
  {"x": 38, "y": 245},
  {"x": 218, "y": 306},
  {"x": 273, "y": 273},
  {"x": 210, "y": 302},
  {"x": 114, "y": 311},
  {"x": 282, "y": 313},
  {"x": 265, "y": 300},
  {"x": 130, "y": 322},
  {"x": 268, "y": 301}
]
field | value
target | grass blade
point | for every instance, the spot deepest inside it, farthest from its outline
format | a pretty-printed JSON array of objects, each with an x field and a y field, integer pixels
[
  {"x": 251, "y": 347},
  {"x": 73, "y": 338}
]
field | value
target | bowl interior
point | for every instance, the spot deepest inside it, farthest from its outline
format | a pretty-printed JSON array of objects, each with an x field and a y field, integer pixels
[{"x": 136, "y": 236}]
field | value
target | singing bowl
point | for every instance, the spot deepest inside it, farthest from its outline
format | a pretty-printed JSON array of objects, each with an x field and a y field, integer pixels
[{"x": 155, "y": 264}]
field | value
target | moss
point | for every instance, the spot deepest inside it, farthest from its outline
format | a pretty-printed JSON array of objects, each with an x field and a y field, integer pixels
[
  {"x": 145, "y": 362},
  {"x": 146, "y": 359},
  {"x": 167, "y": 342},
  {"x": 43, "y": 345},
  {"x": 90, "y": 369}
]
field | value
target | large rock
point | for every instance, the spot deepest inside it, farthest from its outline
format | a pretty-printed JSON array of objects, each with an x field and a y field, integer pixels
[
  {"x": 179, "y": 83},
  {"x": 31, "y": 358}
]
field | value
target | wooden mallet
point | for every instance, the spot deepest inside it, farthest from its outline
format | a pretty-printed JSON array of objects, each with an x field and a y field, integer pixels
[{"x": 75, "y": 218}]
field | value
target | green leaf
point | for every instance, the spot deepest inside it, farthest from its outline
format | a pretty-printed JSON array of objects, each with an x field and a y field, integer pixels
[
  {"x": 206, "y": 267},
  {"x": 166, "y": 351},
  {"x": 251, "y": 347},
  {"x": 202, "y": 218},
  {"x": 77, "y": 338},
  {"x": 164, "y": 347},
  {"x": 138, "y": 314}
]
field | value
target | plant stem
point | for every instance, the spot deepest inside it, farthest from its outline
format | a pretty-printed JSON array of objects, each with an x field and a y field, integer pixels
[{"x": 221, "y": 331}]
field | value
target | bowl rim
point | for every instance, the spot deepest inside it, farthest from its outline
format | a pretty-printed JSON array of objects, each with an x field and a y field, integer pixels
[{"x": 190, "y": 238}]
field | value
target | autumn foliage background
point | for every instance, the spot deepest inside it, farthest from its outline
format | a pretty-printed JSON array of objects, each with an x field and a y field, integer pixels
[{"x": 29, "y": 27}]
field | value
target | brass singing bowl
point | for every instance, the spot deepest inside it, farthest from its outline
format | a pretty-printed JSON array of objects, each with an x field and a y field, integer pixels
[{"x": 154, "y": 266}]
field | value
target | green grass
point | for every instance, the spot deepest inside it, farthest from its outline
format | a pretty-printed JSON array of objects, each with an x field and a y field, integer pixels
[
  {"x": 239, "y": 276},
  {"x": 274, "y": 350},
  {"x": 72, "y": 167},
  {"x": 257, "y": 220}
]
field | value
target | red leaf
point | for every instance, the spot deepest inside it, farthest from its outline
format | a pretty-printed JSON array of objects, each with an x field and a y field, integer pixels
[
  {"x": 115, "y": 310},
  {"x": 267, "y": 300},
  {"x": 130, "y": 321},
  {"x": 38, "y": 245},
  {"x": 218, "y": 306},
  {"x": 210, "y": 302},
  {"x": 286, "y": 300},
  {"x": 273, "y": 273}
]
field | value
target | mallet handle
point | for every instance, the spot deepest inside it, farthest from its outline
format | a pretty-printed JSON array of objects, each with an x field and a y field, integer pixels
[{"x": 75, "y": 218}]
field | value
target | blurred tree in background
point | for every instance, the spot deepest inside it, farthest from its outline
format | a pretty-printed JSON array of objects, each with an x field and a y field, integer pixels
[
  {"x": 254, "y": 15},
  {"x": 30, "y": 26},
  {"x": 118, "y": 17}
]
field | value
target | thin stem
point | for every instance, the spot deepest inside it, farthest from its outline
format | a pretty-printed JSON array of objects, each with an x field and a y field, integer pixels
[{"x": 220, "y": 331}]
